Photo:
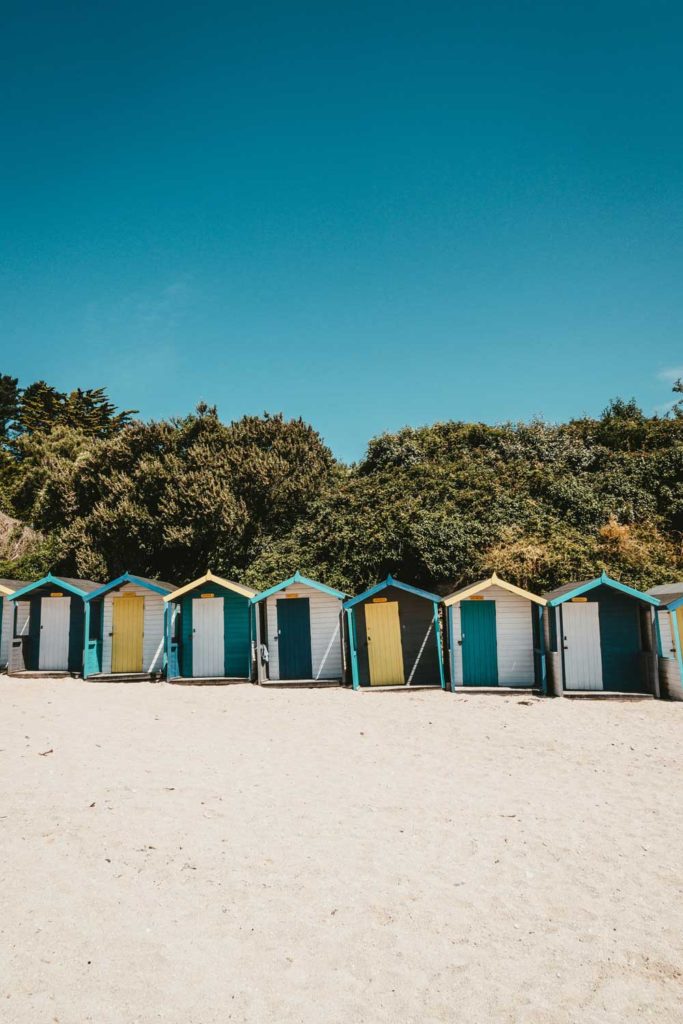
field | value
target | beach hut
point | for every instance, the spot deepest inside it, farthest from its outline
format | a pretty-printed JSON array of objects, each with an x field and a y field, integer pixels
[
  {"x": 395, "y": 636},
  {"x": 209, "y": 634},
  {"x": 52, "y": 638},
  {"x": 124, "y": 628},
  {"x": 299, "y": 632},
  {"x": 495, "y": 634},
  {"x": 600, "y": 636},
  {"x": 7, "y": 610},
  {"x": 670, "y": 629}
]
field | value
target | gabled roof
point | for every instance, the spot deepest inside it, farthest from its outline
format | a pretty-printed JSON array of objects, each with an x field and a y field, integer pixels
[
  {"x": 298, "y": 578},
  {"x": 78, "y": 587},
  {"x": 669, "y": 595},
  {"x": 570, "y": 590},
  {"x": 390, "y": 582},
  {"x": 157, "y": 586},
  {"x": 492, "y": 581},
  {"x": 8, "y": 587},
  {"x": 238, "y": 588}
]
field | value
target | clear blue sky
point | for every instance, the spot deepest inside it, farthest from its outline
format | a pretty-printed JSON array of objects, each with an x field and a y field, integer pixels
[{"x": 366, "y": 214}]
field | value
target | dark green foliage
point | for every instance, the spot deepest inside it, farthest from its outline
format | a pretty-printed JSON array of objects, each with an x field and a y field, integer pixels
[
  {"x": 40, "y": 407},
  {"x": 257, "y": 499},
  {"x": 9, "y": 406},
  {"x": 678, "y": 390}
]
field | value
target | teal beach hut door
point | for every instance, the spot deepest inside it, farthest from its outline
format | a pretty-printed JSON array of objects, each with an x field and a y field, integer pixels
[
  {"x": 479, "y": 644},
  {"x": 294, "y": 638}
]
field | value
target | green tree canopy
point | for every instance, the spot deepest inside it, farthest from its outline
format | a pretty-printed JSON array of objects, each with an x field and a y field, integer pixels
[{"x": 438, "y": 506}]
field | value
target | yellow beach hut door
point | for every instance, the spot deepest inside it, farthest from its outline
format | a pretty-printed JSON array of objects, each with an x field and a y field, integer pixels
[
  {"x": 385, "y": 652},
  {"x": 128, "y": 614}
]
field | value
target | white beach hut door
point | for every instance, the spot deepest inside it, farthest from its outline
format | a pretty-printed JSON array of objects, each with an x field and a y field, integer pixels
[
  {"x": 54, "y": 633},
  {"x": 208, "y": 651},
  {"x": 582, "y": 655}
]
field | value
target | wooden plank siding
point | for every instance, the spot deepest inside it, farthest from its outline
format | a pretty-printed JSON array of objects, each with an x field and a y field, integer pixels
[
  {"x": 514, "y": 635},
  {"x": 6, "y": 629},
  {"x": 153, "y": 637},
  {"x": 669, "y": 665},
  {"x": 326, "y": 651},
  {"x": 421, "y": 661},
  {"x": 236, "y": 630}
]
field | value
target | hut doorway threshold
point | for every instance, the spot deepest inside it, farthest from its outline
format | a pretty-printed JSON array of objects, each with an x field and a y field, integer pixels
[
  {"x": 301, "y": 683},
  {"x": 43, "y": 673},
  {"x": 607, "y": 695},
  {"x": 123, "y": 677},
  {"x": 208, "y": 680},
  {"x": 500, "y": 691},
  {"x": 401, "y": 688}
]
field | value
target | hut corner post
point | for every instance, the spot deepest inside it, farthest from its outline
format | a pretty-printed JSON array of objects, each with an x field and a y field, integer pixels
[
  {"x": 350, "y": 613},
  {"x": 451, "y": 663},
  {"x": 439, "y": 645},
  {"x": 86, "y": 638},
  {"x": 658, "y": 635},
  {"x": 256, "y": 627},
  {"x": 655, "y": 647},
  {"x": 164, "y": 667},
  {"x": 168, "y": 632}
]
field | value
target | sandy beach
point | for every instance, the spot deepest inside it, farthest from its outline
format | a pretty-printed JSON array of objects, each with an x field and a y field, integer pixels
[{"x": 194, "y": 855}]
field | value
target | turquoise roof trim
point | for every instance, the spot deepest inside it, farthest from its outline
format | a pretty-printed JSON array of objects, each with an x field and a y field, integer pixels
[
  {"x": 298, "y": 578},
  {"x": 390, "y": 582},
  {"x": 18, "y": 594},
  {"x": 603, "y": 581},
  {"x": 128, "y": 578}
]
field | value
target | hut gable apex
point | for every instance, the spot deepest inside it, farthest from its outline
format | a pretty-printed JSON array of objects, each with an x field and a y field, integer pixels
[
  {"x": 304, "y": 581},
  {"x": 572, "y": 590},
  {"x": 78, "y": 587},
  {"x": 492, "y": 581},
  {"x": 209, "y": 577},
  {"x": 391, "y": 581},
  {"x": 156, "y": 586}
]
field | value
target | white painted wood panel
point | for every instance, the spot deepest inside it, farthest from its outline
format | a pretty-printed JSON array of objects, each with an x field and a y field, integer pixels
[
  {"x": 23, "y": 618},
  {"x": 53, "y": 653},
  {"x": 208, "y": 629},
  {"x": 456, "y": 649},
  {"x": 326, "y": 652},
  {"x": 668, "y": 643},
  {"x": 514, "y": 636},
  {"x": 666, "y": 633},
  {"x": 153, "y": 638},
  {"x": 582, "y": 655}
]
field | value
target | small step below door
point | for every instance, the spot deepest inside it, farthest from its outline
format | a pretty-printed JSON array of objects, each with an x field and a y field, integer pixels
[
  {"x": 294, "y": 638},
  {"x": 582, "y": 651},
  {"x": 208, "y": 630},
  {"x": 479, "y": 643},
  {"x": 55, "y": 613}
]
